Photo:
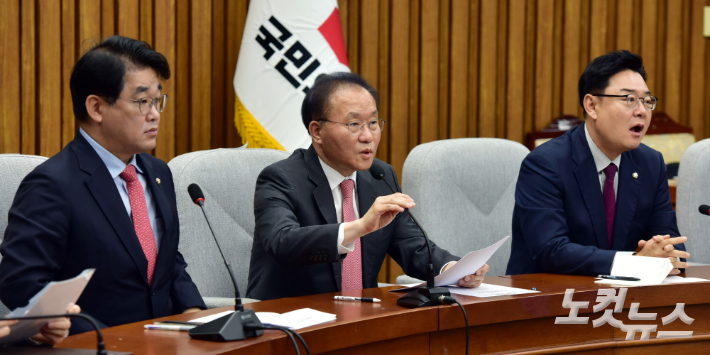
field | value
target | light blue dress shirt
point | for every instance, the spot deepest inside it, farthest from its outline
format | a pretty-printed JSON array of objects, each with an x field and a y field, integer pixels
[{"x": 115, "y": 168}]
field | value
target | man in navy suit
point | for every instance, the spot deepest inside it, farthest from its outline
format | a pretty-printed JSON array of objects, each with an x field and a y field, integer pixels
[
  {"x": 323, "y": 223},
  {"x": 583, "y": 198},
  {"x": 103, "y": 202}
]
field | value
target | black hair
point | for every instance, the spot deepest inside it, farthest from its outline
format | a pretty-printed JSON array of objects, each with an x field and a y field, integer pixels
[
  {"x": 596, "y": 76},
  {"x": 102, "y": 69},
  {"x": 316, "y": 105}
]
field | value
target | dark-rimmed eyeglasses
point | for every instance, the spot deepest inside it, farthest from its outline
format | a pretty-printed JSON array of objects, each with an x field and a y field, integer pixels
[
  {"x": 145, "y": 104},
  {"x": 376, "y": 126},
  {"x": 632, "y": 100}
]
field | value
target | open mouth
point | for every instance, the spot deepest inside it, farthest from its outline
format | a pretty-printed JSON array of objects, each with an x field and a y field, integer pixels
[{"x": 637, "y": 128}]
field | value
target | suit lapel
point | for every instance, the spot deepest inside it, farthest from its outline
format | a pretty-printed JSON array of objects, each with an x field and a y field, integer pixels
[
  {"x": 162, "y": 210},
  {"x": 626, "y": 200},
  {"x": 103, "y": 189},
  {"x": 588, "y": 181},
  {"x": 324, "y": 199}
]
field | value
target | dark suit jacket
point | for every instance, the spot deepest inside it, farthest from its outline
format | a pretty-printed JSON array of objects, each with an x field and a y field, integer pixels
[
  {"x": 68, "y": 216},
  {"x": 559, "y": 220},
  {"x": 295, "y": 240}
]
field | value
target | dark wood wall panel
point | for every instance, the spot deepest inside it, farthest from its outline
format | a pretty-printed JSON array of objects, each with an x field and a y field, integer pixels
[{"x": 444, "y": 68}]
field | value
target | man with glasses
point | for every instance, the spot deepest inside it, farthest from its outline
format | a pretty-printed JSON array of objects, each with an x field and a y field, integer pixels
[
  {"x": 584, "y": 198},
  {"x": 323, "y": 223},
  {"x": 103, "y": 202}
]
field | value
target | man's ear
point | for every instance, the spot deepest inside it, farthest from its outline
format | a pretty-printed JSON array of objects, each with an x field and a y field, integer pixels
[
  {"x": 95, "y": 107},
  {"x": 590, "y": 106},
  {"x": 314, "y": 128}
]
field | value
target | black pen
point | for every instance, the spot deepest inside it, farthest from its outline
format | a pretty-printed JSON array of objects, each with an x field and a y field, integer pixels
[
  {"x": 177, "y": 322},
  {"x": 620, "y": 278},
  {"x": 356, "y": 299}
]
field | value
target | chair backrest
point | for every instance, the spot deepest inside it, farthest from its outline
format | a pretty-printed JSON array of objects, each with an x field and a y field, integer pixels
[
  {"x": 693, "y": 192},
  {"x": 13, "y": 168},
  {"x": 465, "y": 192},
  {"x": 227, "y": 177},
  {"x": 668, "y": 137}
]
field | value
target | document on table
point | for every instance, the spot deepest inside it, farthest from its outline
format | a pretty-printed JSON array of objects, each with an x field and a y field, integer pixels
[
  {"x": 651, "y": 271},
  {"x": 54, "y": 298},
  {"x": 488, "y": 290},
  {"x": 468, "y": 265},
  {"x": 297, "y": 319},
  {"x": 681, "y": 280}
]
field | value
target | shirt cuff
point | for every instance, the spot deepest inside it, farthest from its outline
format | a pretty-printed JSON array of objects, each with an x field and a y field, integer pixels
[
  {"x": 619, "y": 253},
  {"x": 442, "y": 268},
  {"x": 343, "y": 249}
]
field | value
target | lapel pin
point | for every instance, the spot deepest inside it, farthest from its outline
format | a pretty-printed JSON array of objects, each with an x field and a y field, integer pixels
[
  {"x": 157, "y": 180},
  {"x": 635, "y": 175}
]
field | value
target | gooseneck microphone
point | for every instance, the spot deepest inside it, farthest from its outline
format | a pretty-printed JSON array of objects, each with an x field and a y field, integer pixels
[
  {"x": 100, "y": 347},
  {"x": 235, "y": 326},
  {"x": 423, "y": 296},
  {"x": 704, "y": 209}
]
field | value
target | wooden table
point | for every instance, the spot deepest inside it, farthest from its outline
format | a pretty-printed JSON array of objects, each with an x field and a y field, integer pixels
[{"x": 520, "y": 324}]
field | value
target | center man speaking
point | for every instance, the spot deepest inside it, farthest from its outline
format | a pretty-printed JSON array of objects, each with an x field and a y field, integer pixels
[{"x": 323, "y": 223}]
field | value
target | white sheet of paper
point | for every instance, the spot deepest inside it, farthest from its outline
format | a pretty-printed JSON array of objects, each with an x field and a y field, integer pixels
[
  {"x": 651, "y": 271},
  {"x": 468, "y": 265},
  {"x": 488, "y": 290},
  {"x": 297, "y": 319},
  {"x": 54, "y": 298},
  {"x": 680, "y": 280}
]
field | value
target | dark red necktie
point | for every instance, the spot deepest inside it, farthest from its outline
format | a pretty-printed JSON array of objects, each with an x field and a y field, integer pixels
[
  {"x": 141, "y": 221},
  {"x": 610, "y": 201}
]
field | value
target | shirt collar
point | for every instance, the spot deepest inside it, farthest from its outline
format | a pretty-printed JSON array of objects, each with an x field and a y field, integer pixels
[
  {"x": 601, "y": 161},
  {"x": 115, "y": 166},
  {"x": 334, "y": 177}
]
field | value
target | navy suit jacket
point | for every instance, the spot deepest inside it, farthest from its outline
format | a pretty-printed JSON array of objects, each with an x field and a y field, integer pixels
[
  {"x": 68, "y": 216},
  {"x": 295, "y": 249},
  {"x": 559, "y": 220}
]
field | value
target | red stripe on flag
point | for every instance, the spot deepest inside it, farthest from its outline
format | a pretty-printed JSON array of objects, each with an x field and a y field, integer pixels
[{"x": 333, "y": 33}]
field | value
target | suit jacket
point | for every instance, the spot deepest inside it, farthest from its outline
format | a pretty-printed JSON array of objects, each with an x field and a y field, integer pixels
[
  {"x": 559, "y": 220},
  {"x": 295, "y": 240},
  {"x": 68, "y": 216}
]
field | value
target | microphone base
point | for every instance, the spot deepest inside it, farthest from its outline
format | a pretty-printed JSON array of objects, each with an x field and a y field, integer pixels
[
  {"x": 423, "y": 297},
  {"x": 228, "y": 328}
]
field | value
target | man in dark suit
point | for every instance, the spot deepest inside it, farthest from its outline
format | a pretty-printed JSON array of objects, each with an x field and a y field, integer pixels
[
  {"x": 323, "y": 223},
  {"x": 585, "y": 197},
  {"x": 103, "y": 202}
]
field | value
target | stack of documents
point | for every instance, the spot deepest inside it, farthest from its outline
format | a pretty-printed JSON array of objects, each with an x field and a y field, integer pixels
[
  {"x": 651, "y": 271},
  {"x": 297, "y": 319}
]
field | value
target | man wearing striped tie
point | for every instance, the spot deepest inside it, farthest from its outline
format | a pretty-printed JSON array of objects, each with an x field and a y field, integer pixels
[
  {"x": 103, "y": 202},
  {"x": 323, "y": 223}
]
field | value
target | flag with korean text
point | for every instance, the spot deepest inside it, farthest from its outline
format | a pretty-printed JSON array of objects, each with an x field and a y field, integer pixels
[{"x": 286, "y": 45}]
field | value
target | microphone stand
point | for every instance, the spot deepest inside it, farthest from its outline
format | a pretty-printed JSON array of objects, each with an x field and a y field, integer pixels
[
  {"x": 100, "y": 347},
  {"x": 422, "y": 296},
  {"x": 235, "y": 326}
]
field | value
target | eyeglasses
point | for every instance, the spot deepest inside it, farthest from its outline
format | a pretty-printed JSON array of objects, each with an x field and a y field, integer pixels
[
  {"x": 146, "y": 104},
  {"x": 632, "y": 100},
  {"x": 376, "y": 126}
]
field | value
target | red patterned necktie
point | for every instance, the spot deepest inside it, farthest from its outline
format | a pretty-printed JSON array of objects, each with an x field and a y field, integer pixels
[
  {"x": 352, "y": 265},
  {"x": 141, "y": 221}
]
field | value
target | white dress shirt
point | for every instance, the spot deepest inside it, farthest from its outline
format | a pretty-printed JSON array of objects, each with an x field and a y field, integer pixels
[
  {"x": 115, "y": 168},
  {"x": 334, "y": 180}
]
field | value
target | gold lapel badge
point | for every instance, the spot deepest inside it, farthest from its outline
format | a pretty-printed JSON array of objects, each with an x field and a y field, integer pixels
[
  {"x": 635, "y": 175},
  {"x": 157, "y": 180}
]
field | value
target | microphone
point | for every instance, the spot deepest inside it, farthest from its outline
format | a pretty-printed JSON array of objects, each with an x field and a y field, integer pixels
[
  {"x": 100, "y": 348},
  {"x": 704, "y": 209},
  {"x": 423, "y": 296},
  {"x": 235, "y": 326}
]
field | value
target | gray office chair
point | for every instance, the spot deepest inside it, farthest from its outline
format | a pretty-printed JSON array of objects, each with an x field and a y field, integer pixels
[
  {"x": 693, "y": 191},
  {"x": 13, "y": 168},
  {"x": 227, "y": 178},
  {"x": 465, "y": 192}
]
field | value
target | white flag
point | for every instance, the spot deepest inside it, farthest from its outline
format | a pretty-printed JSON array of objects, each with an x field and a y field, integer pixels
[{"x": 286, "y": 45}]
